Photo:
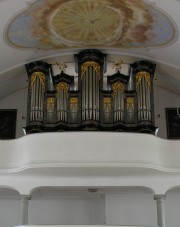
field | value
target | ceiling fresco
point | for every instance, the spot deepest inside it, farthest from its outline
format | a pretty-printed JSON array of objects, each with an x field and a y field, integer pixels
[{"x": 60, "y": 24}]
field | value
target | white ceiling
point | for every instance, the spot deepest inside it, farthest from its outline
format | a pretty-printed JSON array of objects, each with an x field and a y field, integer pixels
[{"x": 12, "y": 71}]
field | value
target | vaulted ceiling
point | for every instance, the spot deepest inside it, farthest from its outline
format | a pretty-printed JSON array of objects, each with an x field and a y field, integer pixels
[{"x": 54, "y": 30}]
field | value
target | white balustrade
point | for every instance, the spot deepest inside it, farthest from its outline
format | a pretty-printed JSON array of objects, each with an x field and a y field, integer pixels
[{"x": 82, "y": 226}]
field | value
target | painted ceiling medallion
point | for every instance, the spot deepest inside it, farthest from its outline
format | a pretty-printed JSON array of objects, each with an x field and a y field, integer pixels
[{"x": 59, "y": 24}]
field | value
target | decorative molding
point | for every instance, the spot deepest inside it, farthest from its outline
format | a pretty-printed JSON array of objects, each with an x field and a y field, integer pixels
[{"x": 159, "y": 197}]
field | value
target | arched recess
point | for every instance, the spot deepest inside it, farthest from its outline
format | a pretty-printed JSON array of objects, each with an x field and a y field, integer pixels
[
  {"x": 10, "y": 206},
  {"x": 6, "y": 191},
  {"x": 92, "y": 205},
  {"x": 84, "y": 191},
  {"x": 172, "y": 206}
]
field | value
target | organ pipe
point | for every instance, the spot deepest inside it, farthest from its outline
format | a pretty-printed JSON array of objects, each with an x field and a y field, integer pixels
[
  {"x": 118, "y": 97},
  {"x": 90, "y": 76},
  {"x": 62, "y": 89},
  {"x": 37, "y": 96},
  {"x": 143, "y": 89}
]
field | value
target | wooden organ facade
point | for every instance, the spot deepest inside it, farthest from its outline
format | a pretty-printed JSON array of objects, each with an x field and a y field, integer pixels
[{"x": 126, "y": 105}]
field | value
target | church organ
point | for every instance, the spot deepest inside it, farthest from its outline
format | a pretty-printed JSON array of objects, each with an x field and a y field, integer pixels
[{"x": 126, "y": 104}]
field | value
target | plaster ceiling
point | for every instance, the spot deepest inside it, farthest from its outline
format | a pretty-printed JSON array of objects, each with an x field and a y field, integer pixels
[{"x": 132, "y": 30}]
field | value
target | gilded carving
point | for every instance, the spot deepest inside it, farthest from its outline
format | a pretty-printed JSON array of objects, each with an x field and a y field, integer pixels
[
  {"x": 118, "y": 86},
  {"x": 38, "y": 75},
  {"x": 50, "y": 103},
  {"x": 141, "y": 75},
  {"x": 86, "y": 65},
  {"x": 62, "y": 86},
  {"x": 117, "y": 65},
  {"x": 107, "y": 103},
  {"x": 130, "y": 103},
  {"x": 73, "y": 103},
  {"x": 62, "y": 66}
]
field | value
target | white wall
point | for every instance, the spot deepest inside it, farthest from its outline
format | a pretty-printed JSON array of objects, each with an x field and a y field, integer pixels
[
  {"x": 17, "y": 100},
  {"x": 172, "y": 204},
  {"x": 66, "y": 211},
  {"x": 9, "y": 212},
  {"x": 130, "y": 209}
]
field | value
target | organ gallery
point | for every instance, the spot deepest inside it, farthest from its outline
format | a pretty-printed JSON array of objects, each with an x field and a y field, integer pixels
[{"x": 124, "y": 104}]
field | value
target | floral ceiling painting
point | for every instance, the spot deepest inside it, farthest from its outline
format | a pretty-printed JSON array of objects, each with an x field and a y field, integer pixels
[{"x": 60, "y": 24}]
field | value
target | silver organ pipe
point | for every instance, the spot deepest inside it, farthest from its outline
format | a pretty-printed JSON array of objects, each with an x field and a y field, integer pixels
[
  {"x": 130, "y": 83},
  {"x": 118, "y": 97},
  {"x": 37, "y": 96},
  {"x": 50, "y": 84},
  {"x": 94, "y": 94},
  {"x": 86, "y": 95},
  {"x": 143, "y": 89},
  {"x": 90, "y": 76},
  {"x": 62, "y": 89}
]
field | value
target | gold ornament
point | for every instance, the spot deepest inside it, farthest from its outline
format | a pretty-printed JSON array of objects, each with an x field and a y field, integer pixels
[
  {"x": 141, "y": 75},
  {"x": 117, "y": 65},
  {"x": 62, "y": 86},
  {"x": 118, "y": 86},
  {"x": 85, "y": 65},
  {"x": 62, "y": 66},
  {"x": 107, "y": 103},
  {"x": 73, "y": 102},
  {"x": 40, "y": 76},
  {"x": 130, "y": 103},
  {"x": 50, "y": 103}
]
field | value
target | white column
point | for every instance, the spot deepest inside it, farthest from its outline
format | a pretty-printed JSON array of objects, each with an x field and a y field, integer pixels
[
  {"x": 24, "y": 208},
  {"x": 160, "y": 199}
]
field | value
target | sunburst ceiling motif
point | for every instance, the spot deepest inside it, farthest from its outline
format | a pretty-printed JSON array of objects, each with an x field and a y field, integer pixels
[{"x": 59, "y": 24}]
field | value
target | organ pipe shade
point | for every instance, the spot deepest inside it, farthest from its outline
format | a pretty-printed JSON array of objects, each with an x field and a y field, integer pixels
[
  {"x": 118, "y": 98},
  {"x": 73, "y": 109},
  {"x": 62, "y": 91},
  {"x": 37, "y": 89},
  {"x": 107, "y": 109},
  {"x": 143, "y": 89},
  {"x": 50, "y": 109},
  {"x": 130, "y": 102},
  {"x": 90, "y": 76}
]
